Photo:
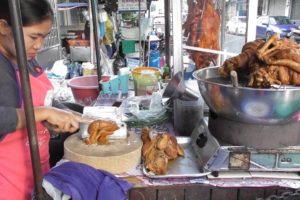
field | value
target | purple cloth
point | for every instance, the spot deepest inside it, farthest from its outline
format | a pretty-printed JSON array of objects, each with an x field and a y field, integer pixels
[{"x": 81, "y": 182}]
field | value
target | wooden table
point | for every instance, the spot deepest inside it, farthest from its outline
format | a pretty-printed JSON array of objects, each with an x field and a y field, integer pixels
[
  {"x": 196, "y": 191},
  {"x": 200, "y": 192}
]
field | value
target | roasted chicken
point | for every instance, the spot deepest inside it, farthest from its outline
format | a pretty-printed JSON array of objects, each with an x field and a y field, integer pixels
[
  {"x": 202, "y": 28},
  {"x": 99, "y": 130},
  {"x": 272, "y": 62},
  {"x": 157, "y": 151}
]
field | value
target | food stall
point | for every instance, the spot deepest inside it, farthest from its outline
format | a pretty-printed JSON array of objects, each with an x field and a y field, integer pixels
[{"x": 243, "y": 146}]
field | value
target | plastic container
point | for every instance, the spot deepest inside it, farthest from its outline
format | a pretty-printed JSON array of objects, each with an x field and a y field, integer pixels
[
  {"x": 85, "y": 89},
  {"x": 145, "y": 80},
  {"x": 154, "y": 60},
  {"x": 188, "y": 72},
  {"x": 187, "y": 114},
  {"x": 124, "y": 83}
]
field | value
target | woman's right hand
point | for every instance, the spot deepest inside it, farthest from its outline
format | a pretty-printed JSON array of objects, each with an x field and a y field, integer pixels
[
  {"x": 64, "y": 121},
  {"x": 59, "y": 120}
]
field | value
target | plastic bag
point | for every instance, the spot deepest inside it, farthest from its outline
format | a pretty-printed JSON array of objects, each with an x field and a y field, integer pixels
[
  {"x": 105, "y": 63},
  {"x": 143, "y": 110}
]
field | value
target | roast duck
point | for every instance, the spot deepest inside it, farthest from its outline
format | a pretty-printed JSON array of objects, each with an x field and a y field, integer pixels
[
  {"x": 202, "y": 27},
  {"x": 99, "y": 130},
  {"x": 272, "y": 62},
  {"x": 158, "y": 150}
]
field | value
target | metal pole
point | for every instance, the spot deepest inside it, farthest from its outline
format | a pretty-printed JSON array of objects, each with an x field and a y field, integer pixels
[
  {"x": 96, "y": 37},
  {"x": 167, "y": 31},
  {"x": 177, "y": 36},
  {"x": 223, "y": 25},
  {"x": 251, "y": 17},
  {"x": 91, "y": 32},
  {"x": 15, "y": 14},
  {"x": 140, "y": 40}
]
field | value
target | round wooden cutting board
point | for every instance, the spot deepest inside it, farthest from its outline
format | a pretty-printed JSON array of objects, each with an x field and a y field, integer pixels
[{"x": 116, "y": 157}]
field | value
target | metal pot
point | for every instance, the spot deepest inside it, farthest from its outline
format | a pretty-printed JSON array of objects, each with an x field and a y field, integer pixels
[{"x": 248, "y": 105}]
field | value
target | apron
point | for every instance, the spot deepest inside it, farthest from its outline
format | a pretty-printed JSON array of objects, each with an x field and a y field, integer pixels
[{"x": 16, "y": 176}]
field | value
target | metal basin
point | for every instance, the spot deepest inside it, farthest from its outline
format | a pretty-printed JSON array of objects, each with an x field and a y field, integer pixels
[{"x": 248, "y": 105}]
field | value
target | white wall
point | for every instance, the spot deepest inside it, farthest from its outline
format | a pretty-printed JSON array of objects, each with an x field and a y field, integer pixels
[
  {"x": 295, "y": 14},
  {"x": 277, "y": 7},
  {"x": 157, "y": 8}
]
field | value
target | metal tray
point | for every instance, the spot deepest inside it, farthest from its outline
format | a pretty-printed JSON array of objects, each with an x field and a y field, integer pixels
[{"x": 186, "y": 166}]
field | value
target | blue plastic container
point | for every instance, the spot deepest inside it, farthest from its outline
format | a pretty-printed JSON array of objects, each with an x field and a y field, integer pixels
[{"x": 154, "y": 60}]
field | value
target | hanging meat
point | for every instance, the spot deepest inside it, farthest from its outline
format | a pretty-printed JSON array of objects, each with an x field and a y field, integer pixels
[
  {"x": 245, "y": 60},
  {"x": 202, "y": 28},
  {"x": 272, "y": 62}
]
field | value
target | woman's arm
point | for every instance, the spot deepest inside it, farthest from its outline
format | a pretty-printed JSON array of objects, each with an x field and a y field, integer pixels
[
  {"x": 8, "y": 119},
  {"x": 12, "y": 119},
  {"x": 61, "y": 120}
]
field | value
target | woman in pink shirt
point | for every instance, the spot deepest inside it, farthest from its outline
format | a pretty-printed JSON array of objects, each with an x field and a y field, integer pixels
[{"x": 16, "y": 177}]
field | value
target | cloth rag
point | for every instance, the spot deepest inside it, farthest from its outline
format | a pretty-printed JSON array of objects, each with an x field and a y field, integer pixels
[{"x": 83, "y": 182}]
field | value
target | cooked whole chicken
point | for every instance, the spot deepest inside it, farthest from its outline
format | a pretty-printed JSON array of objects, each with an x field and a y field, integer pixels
[
  {"x": 157, "y": 151},
  {"x": 99, "y": 130},
  {"x": 272, "y": 62},
  {"x": 202, "y": 27}
]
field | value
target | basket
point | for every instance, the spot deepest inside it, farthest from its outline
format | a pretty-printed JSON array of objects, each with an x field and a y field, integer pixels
[{"x": 79, "y": 42}]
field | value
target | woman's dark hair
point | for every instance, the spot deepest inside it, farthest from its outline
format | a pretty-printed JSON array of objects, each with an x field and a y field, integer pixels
[{"x": 32, "y": 11}]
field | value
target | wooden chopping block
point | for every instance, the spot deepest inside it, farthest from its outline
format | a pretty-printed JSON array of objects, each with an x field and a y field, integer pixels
[{"x": 115, "y": 157}]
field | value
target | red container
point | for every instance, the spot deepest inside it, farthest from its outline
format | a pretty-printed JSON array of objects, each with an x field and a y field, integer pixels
[{"x": 85, "y": 89}]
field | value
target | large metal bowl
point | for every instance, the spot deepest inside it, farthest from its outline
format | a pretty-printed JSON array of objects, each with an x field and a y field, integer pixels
[{"x": 248, "y": 105}]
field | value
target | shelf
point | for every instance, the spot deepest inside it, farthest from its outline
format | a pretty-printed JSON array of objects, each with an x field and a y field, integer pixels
[{"x": 69, "y": 6}]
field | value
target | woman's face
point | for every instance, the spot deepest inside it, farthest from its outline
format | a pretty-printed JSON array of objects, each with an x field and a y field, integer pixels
[{"x": 34, "y": 36}]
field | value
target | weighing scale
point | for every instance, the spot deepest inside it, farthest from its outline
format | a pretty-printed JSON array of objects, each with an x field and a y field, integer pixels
[{"x": 216, "y": 156}]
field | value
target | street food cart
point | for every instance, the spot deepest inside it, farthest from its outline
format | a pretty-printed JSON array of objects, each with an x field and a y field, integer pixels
[{"x": 244, "y": 145}]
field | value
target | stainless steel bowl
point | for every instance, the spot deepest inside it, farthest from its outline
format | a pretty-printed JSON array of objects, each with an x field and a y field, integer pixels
[{"x": 248, "y": 105}]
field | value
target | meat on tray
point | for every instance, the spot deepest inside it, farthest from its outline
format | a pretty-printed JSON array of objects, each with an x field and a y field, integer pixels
[{"x": 158, "y": 150}]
